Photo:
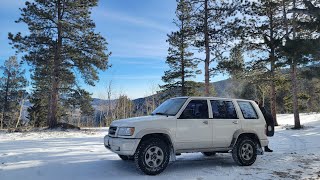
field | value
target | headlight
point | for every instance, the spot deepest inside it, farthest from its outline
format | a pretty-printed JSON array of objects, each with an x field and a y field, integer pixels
[{"x": 126, "y": 131}]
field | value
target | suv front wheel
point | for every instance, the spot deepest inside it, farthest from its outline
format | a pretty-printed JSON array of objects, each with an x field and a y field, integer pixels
[
  {"x": 152, "y": 156},
  {"x": 244, "y": 151}
]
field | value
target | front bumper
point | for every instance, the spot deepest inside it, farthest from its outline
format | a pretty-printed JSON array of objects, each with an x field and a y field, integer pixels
[{"x": 121, "y": 146}]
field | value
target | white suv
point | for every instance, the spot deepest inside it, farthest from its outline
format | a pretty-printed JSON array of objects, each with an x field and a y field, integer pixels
[{"x": 190, "y": 124}]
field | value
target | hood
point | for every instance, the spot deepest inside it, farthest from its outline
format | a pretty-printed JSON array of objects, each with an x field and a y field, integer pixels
[{"x": 131, "y": 121}]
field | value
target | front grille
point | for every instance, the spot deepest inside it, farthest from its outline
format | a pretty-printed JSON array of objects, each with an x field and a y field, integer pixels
[{"x": 112, "y": 130}]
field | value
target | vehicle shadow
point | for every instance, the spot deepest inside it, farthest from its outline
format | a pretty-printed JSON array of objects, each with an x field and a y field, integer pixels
[{"x": 83, "y": 167}]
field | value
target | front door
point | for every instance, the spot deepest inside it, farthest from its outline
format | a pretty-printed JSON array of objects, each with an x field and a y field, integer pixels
[{"x": 194, "y": 128}]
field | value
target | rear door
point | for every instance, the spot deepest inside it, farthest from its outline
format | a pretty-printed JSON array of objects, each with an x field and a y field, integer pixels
[
  {"x": 252, "y": 118},
  {"x": 194, "y": 128},
  {"x": 225, "y": 122}
]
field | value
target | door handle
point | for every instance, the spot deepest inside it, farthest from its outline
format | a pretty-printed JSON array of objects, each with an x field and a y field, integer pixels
[
  {"x": 235, "y": 122},
  {"x": 205, "y": 122}
]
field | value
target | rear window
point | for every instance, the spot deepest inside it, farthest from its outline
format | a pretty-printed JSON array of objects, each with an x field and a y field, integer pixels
[
  {"x": 247, "y": 110},
  {"x": 223, "y": 110}
]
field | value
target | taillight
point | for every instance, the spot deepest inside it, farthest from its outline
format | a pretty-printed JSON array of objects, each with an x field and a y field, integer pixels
[{"x": 265, "y": 129}]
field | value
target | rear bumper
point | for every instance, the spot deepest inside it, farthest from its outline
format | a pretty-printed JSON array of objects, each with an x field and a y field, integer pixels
[
  {"x": 121, "y": 146},
  {"x": 264, "y": 142}
]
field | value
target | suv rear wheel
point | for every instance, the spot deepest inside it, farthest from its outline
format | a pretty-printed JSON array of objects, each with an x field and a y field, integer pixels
[
  {"x": 244, "y": 151},
  {"x": 152, "y": 156}
]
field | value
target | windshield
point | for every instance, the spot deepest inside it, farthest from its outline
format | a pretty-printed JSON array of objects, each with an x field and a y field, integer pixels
[{"x": 170, "y": 107}]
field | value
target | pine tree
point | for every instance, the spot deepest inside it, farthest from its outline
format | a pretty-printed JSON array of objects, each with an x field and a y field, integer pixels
[
  {"x": 180, "y": 58},
  {"x": 38, "y": 112},
  {"x": 124, "y": 107},
  {"x": 302, "y": 43},
  {"x": 211, "y": 19},
  {"x": 237, "y": 59},
  {"x": 62, "y": 31},
  {"x": 234, "y": 65},
  {"x": 81, "y": 99},
  {"x": 263, "y": 36},
  {"x": 41, "y": 89},
  {"x": 12, "y": 85}
]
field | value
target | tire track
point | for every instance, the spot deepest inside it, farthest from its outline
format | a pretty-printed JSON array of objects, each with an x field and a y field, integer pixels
[{"x": 296, "y": 143}]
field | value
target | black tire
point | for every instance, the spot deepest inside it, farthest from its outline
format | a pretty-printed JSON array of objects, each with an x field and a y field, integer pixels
[
  {"x": 158, "y": 160},
  {"x": 209, "y": 153},
  {"x": 244, "y": 152},
  {"x": 126, "y": 158}
]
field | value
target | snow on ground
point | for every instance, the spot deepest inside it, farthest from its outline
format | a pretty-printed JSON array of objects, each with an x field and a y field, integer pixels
[{"x": 81, "y": 155}]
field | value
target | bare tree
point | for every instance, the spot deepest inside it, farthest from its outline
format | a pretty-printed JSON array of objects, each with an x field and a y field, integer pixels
[
  {"x": 109, "y": 113},
  {"x": 21, "y": 109}
]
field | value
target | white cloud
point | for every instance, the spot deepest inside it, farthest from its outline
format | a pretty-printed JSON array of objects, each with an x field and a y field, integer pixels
[
  {"x": 142, "y": 22},
  {"x": 143, "y": 49},
  {"x": 130, "y": 77},
  {"x": 151, "y": 63}
]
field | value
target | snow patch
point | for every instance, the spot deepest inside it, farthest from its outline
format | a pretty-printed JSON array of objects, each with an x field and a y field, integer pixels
[{"x": 81, "y": 155}]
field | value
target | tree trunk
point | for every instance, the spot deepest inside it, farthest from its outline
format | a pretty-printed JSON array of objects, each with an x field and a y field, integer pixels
[
  {"x": 124, "y": 108},
  {"x": 1, "y": 121},
  {"x": 53, "y": 110},
  {"x": 207, "y": 49},
  {"x": 109, "y": 104},
  {"x": 87, "y": 121},
  {"x": 100, "y": 118},
  {"x": 153, "y": 103},
  {"x": 273, "y": 102},
  {"x": 272, "y": 69},
  {"x": 5, "y": 103},
  {"x": 79, "y": 120},
  {"x": 20, "y": 112},
  {"x": 2, "y": 117},
  {"x": 297, "y": 124},
  {"x": 52, "y": 121},
  {"x": 183, "y": 91}
]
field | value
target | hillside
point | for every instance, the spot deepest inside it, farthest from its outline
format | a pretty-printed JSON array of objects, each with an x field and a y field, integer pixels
[{"x": 223, "y": 89}]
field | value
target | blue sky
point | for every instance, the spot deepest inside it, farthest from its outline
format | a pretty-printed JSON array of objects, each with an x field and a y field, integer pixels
[{"x": 136, "y": 32}]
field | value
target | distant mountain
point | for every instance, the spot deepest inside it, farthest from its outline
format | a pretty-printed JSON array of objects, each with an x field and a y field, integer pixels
[
  {"x": 220, "y": 87},
  {"x": 97, "y": 101}
]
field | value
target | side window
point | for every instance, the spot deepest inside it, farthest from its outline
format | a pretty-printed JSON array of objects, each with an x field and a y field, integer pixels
[
  {"x": 196, "y": 109},
  {"x": 247, "y": 110},
  {"x": 223, "y": 110},
  {"x": 231, "y": 111}
]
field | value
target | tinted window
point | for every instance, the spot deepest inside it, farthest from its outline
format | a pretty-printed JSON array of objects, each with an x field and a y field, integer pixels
[
  {"x": 223, "y": 110},
  {"x": 247, "y": 110},
  {"x": 170, "y": 107},
  {"x": 196, "y": 109}
]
